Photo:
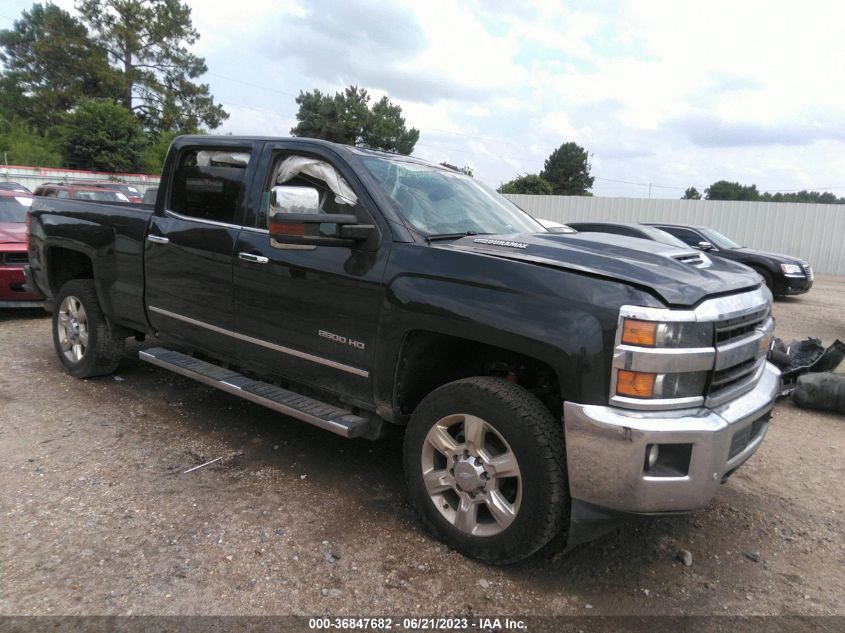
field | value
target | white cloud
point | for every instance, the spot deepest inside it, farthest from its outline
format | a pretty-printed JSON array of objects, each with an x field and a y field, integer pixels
[{"x": 668, "y": 92}]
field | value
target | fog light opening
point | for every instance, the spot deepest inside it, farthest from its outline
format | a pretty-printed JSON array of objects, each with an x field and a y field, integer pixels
[{"x": 652, "y": 453}]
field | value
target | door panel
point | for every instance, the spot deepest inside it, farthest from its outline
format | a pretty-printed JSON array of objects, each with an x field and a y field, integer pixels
[
  {"x": 309, "y": 315},
  {"x": 190, "y": 277}
]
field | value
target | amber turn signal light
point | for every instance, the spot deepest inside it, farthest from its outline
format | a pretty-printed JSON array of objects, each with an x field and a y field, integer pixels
[
  {"x": 639, "y": 332},
  {"x": 635, "y": 384}
]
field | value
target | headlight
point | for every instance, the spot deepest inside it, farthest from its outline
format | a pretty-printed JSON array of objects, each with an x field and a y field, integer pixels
[
  {"x": 654, "y": 334},
  {"x": 790, "y": 269},
  {"x": 638, "y": 384},
  {"x": 663, "y": 360}
]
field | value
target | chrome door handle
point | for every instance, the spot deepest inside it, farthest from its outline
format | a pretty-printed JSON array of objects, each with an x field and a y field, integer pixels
[
  {"x": 256, "y": 259},
  {"x": 158, "y": 239}
]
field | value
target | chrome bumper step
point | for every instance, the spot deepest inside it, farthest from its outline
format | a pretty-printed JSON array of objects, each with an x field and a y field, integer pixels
[{"x": 303, "y": 408}]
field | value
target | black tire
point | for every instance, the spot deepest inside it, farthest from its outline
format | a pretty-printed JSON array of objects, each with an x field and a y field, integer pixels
[
  {"x": 529, "y": 431},
  {"x": 767, "y": 277},
  {"x": 102, "y": 352}
]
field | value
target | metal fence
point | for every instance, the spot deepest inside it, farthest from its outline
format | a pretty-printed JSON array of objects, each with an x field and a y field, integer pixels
[
  {"x": 814, "y": 232},
  {"x": 31, "y": 177}
]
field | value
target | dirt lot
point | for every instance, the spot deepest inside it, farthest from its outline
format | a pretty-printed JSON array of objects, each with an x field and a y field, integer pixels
[{"x": 97, "y": 516}]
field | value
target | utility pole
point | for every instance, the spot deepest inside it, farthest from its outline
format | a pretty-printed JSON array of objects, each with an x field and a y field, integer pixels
[{"x": 649, "y": 191}]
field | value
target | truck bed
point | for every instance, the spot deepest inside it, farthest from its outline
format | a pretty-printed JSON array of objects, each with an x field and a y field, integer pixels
[{"x": 111, "y": 234}]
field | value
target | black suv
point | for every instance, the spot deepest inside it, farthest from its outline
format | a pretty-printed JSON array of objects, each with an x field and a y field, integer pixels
[{"x": 784, "y": 274}]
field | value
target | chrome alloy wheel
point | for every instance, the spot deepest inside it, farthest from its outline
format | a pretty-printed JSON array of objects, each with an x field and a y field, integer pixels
[
  {"x": 73, "y": 329},
  {"x": 471, "y": 475}
]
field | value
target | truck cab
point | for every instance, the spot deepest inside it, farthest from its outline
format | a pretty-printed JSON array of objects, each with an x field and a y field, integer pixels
[{"x": 546, "y": 383}]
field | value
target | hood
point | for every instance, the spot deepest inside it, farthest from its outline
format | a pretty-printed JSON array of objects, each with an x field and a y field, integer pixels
[
  {"x": 642, "y": 263},
  {"x": 12, "y": 233},
  {"x": 776, "y": 258}
]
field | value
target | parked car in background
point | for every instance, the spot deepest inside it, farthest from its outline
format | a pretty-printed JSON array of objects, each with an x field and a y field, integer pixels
[
  {"x": 79, "y": 192},
  {"x": 150, "y": 195},
  {"x": 556, "y": 227},
  {"x": 13, "y": 255},
  {"x": 132, "y": 193},
  {"x": 783, "y": 274},
  {"x": 629, "y": 230},
  {"x": 14, "y": 186}
]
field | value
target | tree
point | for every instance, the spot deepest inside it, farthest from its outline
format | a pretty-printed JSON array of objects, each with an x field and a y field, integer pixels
[
  {"x": 724, "y": 190},
  {"x": 102, "y": 136},
  {"x": 50, "y": 63},
  {"x": 347, "y": 118},
  {"x": 567, "y": 170},
  {"x": 20, "y": 144},
  {"x": 529, "y": 183},
  {"x": 691, "y": 194},
  {"x": 148, "y": 40}
]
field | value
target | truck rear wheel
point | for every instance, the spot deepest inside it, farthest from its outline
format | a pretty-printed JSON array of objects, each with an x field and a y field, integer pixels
[
  {"x": 81, "y": 333},
  {"x": 485, "y": 466}
]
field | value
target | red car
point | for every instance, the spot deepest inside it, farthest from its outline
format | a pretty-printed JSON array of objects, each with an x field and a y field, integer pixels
[
  {"x": 13, "y": 255},
  {"x": 130, "y": 191},
  {"x": 80, "y": 192}
]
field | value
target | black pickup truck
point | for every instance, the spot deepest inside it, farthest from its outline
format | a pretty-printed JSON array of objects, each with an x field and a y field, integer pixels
[{"x": 548, "y": 382}]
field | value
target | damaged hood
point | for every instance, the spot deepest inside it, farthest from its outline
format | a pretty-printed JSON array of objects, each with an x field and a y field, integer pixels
[
  {"x": 665, "y": 270},
  {"x": 12, "y": 233}
]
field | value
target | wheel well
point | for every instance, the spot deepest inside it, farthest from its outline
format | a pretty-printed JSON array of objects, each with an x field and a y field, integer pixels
[
  {"x": 64, "y": 264},
  {"x": 429, "y": 360}
]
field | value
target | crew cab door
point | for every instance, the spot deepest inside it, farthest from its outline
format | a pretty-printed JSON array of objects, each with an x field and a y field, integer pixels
[
  {"x": 190, "y": 245},
  {"x": 310, "y": 313}
]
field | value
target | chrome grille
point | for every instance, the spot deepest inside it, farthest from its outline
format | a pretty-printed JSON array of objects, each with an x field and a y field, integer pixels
[
  {"x": 741, "y": 348},
  {"x": 808, "y": 270}
]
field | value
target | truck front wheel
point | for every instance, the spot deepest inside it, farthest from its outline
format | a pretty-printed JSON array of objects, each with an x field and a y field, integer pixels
[
  {"x": 81, "y": 334},
  {"x": 485, "y": 466}
]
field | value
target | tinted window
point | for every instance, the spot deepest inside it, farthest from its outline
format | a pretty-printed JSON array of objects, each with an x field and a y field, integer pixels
[
  {"x": 687, "y": 236},
  {"x": 209, "y": 184}
]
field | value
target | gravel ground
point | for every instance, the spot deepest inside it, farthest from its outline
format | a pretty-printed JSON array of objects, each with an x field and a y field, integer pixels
[{"x": 98, "y": 517}]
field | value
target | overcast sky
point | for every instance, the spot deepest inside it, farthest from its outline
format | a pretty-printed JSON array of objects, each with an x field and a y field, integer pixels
[{"x": 670, "y": 93}]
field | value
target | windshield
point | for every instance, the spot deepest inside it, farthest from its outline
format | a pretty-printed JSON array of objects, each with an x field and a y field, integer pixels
[
  {"x": 663, "y": 237},
  {"x": 437, "y": 201},
  {"x": 13, "y": 209},
  {"x": 719, "y": 240}
]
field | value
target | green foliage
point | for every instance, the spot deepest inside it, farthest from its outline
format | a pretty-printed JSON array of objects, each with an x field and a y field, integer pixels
[
  {"x": 156, "y": 153},
  {"x": 50, "y": 63},
  {"x": 815, "y": 197},
  {"x": 724, "y": 190},
  {"x": 22, "y": 145},
  {"x": 149, "y": 40},
  {"x": 529, "y": 183},
  {"x": 567, "y": 170},
  {"x": 347, "y": 118},
  {"x": 691, "y": 194},
  {"x": 102, "y": 136}
]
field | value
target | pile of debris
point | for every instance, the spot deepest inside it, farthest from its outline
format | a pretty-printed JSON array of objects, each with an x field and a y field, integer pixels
[{"x": 807, "y": 373}]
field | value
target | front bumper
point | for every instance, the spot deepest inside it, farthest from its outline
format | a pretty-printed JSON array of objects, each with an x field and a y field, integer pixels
[
  {"x": 796, "y": 284},
  {"x": 607, "y": 448},
  {"x": 13, "y": 289}
]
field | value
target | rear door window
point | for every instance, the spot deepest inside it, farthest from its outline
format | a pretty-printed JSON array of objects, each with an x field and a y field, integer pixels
[{"x": 209, "y": 184}]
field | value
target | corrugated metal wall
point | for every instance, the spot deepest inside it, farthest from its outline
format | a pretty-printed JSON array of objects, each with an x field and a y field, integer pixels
[{"x": 814, "y": 232}]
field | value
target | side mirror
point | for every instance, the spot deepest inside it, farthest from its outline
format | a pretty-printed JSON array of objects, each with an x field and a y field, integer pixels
[
  {"x": 705, "y": 246},
  {"x": 295, "y": 218}
]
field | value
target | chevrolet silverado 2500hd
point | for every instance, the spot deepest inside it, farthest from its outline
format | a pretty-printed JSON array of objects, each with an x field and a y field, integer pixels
[{"x": 547, "y": 381}]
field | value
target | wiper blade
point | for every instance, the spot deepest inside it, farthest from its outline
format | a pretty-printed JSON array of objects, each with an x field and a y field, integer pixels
[{"x": 451, "y": 236}]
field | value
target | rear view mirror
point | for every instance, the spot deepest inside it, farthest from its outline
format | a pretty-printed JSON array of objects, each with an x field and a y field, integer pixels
[
  {"x": 295, "y": 218},
  {"x": 705, "y": 246}
]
